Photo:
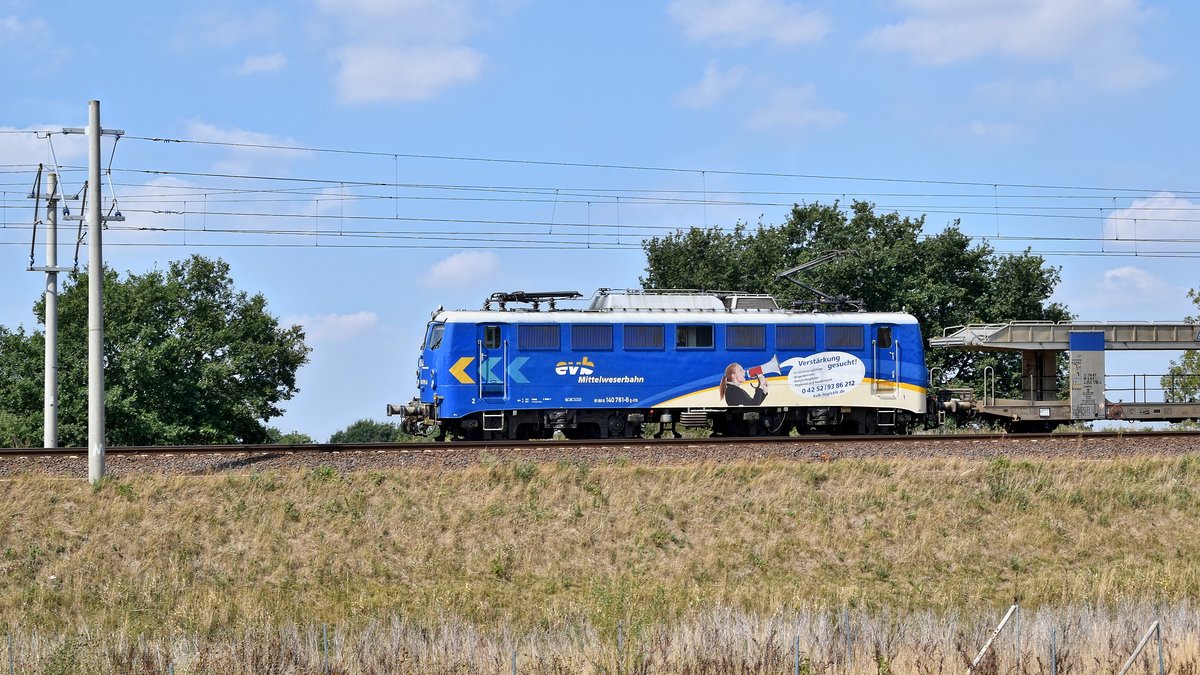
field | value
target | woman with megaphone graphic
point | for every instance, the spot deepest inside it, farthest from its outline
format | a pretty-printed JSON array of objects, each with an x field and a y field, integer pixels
[{"x": 736, "y": 376}]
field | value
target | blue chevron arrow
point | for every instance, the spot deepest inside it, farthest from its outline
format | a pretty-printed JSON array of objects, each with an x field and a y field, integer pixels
[
  {"x": 514, "y": 370},
  {"x": 487, "y": 370}
]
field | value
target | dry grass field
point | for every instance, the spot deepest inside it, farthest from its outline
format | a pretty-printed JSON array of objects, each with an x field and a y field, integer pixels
[{"x": 615, "y": 567}]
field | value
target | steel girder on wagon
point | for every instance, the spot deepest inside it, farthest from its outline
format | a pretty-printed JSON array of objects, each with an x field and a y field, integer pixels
[
  {"x": 1044, "y": 335},
  {"x": 1039, "y": 343}
]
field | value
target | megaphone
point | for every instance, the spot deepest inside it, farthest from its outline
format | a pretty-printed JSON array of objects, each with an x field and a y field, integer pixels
[{"x": 769, "y": 368}]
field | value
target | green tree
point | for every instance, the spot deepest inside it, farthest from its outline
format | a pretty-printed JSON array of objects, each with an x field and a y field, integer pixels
[
  {"x": 1181, "y": 384},
  {"x": 21, "y": 389},
  {"x": 187, "y": 359},
  {"x": 942, "y": 279},
  {"x": 370, "y": 431},
  {"x": 277, "y": 437}
]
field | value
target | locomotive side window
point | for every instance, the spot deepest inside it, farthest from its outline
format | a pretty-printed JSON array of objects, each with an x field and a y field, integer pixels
[
  {"x": 694, "y": 337},
  {"x": 436, "y": 331},
  {"x": 844, "y": 337},
  {"x": 491, "y": 337},
  {"x": 537, "y": 336},
  {"x": 640, "y": 336},
  {"x": 592, "y": 336},
  {"x": 795, "y": 337},
  {"x": 883, "y": 337},
  {"x": 746, "y": 337}
]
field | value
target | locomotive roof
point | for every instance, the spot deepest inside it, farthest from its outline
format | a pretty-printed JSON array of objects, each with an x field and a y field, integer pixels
[
  {"x": 656, "y": 306},
  {"x": 671, "y": 316}
]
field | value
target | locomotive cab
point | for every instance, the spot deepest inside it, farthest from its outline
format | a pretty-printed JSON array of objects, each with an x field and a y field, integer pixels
[{"x": 419, "y": 416}]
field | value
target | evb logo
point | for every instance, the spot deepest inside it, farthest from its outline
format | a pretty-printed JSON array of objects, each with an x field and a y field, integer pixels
[{"x": 582, "y": 367}]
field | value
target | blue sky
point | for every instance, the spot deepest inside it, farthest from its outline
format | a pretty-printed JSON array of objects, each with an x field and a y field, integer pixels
[{"x": 360, "y": 162}]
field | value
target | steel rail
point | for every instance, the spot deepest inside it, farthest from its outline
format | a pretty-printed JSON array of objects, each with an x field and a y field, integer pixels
[{"x": 445, "y": 447}]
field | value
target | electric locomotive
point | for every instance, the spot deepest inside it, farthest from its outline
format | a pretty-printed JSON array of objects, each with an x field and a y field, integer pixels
[{"x": 738, "y": 364}]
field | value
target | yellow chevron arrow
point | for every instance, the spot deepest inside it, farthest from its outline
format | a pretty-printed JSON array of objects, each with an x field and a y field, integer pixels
[{"x": 458, "y": 370}]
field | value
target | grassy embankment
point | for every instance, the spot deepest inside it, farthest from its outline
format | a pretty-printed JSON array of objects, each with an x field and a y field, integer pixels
[{"x": 525, "y": 549}]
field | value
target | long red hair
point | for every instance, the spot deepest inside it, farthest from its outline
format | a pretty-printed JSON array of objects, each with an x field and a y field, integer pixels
[{"x": 727, "y": 379}]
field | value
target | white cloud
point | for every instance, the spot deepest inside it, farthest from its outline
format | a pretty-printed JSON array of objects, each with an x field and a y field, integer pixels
[
  {"x": 1123, "y": 293},
  {"x": 461, "y": 269},
  {"x": 403, "y": 21},
  {"x": 14, "y": 29},
  {"x": 402, "y": 51},
  {"x": 793, "y": 108},
  {"x": 378, "y": 73},
  {"x": 1131, "y": 279},
  {"x": 33, "y": 147},
  {"x": 1162, "y": 222},
  {"x": 996, "y": 132},
  {"x": 1121, "y": 71},
  {"x": 333, "y": 328},
  {"x": 741, "y": 22},
  {"x": 1042, "y": 91},
  {"x": 371, "y": 73},
  {"x": 714, "y": 86},
  {"x": 202, "y": 131},
  {"x": 1096, "y": 37},
  {"x": 30, "y": 45},
  {"x": 265, "y": 63},
  {"x": 246, "y": 151},
  {"x": 226, "y": 30}
]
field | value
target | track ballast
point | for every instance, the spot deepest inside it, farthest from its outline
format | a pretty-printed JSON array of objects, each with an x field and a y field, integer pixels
[{"x": 195, "y": 460}]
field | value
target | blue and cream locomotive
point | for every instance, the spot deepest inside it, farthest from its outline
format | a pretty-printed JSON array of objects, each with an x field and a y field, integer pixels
[{"x": 735, "y": 363}]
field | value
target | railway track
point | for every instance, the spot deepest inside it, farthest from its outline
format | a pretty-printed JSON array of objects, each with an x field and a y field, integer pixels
[{"x": 377, "y": 456}]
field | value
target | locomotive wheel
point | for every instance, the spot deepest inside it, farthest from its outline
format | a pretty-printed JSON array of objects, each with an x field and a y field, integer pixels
[{"x": 616, "y": 425}]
